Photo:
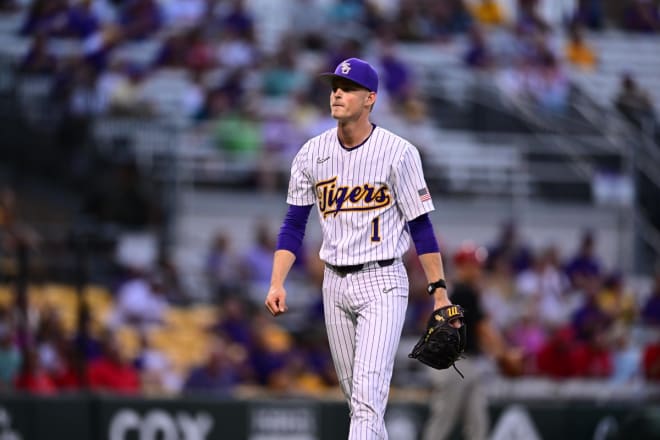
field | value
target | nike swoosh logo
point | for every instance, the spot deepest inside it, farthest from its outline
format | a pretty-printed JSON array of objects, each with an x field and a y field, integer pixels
[
  {"x": 386, "y": 290},
  {"x": 319, "y": 160}
]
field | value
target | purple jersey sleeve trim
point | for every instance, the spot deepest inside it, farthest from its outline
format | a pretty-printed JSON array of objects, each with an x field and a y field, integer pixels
[
  {"x": 293, "y": 228},
  {"x": 421, "y": 231}
]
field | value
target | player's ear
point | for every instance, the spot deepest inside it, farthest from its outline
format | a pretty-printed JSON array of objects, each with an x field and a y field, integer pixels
[{"x": 371, "y": 99}]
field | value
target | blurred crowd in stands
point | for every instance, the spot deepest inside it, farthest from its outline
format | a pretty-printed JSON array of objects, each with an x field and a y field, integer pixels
[
  {"x": 143, "y": 332},
  {"x": 569, "y": 315},
  {"x": 205, "y": 62}
]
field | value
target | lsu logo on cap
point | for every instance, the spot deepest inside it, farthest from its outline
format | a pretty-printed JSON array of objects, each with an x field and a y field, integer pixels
[{"x": 345, "y": 68}]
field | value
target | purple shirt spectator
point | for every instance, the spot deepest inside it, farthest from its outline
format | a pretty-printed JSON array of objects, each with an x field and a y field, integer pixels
[
  {"x": 86, "y": 344},
  {"x": 589, "y": 13},
  {"x": 396, "y": 76},
  {"x": 82, "y": 22},
  {"x": 258, "y": 261},
  {"x": 236, "y": 323},
  {"x": 208, "y": 380},
  {"x": 257, "y": 265},
  {"x": 447, "y": 18},
  {"x": 49, "y": 16},
  {"x": 510, "y": 247},
  {"x": 140, "y": 18},
  {"x": 529, "y": 19},
  {"x": 589, "y": 320},
  {"x": 651, "y": 309},
  {"x": 39, "y": 60},
  {"x": 239, "y": 21},
  {"x": 584, "y": 264},
  {"x": 219, "y": 374},
  {"x": 266, "y": 362},
  {"x": 172, "y": 52},
  {"x": 642, "y": 16},
  {"x": 478, "y": 54}
]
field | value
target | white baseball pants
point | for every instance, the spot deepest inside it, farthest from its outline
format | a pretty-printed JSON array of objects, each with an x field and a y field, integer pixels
[{"x": 364, "y": 315}]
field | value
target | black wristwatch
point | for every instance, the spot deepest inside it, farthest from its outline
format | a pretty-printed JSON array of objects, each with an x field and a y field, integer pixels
[{"x": 432, "y": 286}]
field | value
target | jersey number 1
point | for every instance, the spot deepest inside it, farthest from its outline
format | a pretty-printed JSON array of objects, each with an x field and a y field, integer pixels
[{"x": 375, "y": 229}]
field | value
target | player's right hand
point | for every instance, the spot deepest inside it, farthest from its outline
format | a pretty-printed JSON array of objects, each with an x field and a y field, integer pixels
[
  {"x": 276, "y": 300},
  {"x": 511, "y": 362}
]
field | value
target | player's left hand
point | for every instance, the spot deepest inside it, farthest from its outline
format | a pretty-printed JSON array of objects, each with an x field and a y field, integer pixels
[
  {"x": 456, "y": 322},
  {"x": 276, "y": 300},
  {"x": 443, "y": 342},
  {"x": 441, "y": 302}
]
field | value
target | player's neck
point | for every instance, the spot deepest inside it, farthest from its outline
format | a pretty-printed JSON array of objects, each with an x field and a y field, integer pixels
[{"x": 354, "y": 133}]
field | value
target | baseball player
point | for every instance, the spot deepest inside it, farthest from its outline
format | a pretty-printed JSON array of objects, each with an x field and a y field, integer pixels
[
  {"x": 371, "y": 197},
  {"x": 464, "y": 401}
]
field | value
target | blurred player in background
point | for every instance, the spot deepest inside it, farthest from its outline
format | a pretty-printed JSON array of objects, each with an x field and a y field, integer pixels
[{"x": 464, "y": 401}]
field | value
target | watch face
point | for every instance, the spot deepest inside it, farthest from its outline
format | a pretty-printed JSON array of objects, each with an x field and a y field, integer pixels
[{"x": 430, "y": 288}]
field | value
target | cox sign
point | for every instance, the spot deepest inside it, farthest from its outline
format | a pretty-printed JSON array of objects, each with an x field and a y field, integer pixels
[{"x": 157, "y": 424}]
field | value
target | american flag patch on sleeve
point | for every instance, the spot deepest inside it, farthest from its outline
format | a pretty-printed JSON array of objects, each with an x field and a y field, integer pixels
[{"x": 424, "y": 194}]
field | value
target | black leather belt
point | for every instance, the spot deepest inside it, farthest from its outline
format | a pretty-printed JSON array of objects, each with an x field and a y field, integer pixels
[{"x": 344, "y": 270}]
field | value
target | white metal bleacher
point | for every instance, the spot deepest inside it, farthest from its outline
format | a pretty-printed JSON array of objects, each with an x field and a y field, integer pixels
[
  {"x": 464, "y": 162},
  {"x": 617, "y": 53}
]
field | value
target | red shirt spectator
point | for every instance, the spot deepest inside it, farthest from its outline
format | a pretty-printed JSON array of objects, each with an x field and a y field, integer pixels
[
  {"x": 110, "y": 372},
  {"x": 66, "y": 375},
  {"x": 106, "y": 374},
  {"x": 589, "y": 360},
  {"x": 554, "y": 357},
  {"x": 565, "y": 356},
  {"x": 66, "y": 379},
  {"x": 32, "y": 377},
  {"x": 651, "y": 361},
  {"x": 36, "y": 383}
]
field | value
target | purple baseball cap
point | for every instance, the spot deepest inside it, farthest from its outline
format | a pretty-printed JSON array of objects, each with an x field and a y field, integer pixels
[{"x": 356, "y": 70}]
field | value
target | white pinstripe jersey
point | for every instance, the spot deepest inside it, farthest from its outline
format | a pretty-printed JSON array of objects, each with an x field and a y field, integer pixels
[{"x": 365, "y": 195}]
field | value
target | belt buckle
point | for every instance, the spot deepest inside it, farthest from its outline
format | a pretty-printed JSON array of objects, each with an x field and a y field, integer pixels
[
  {"x": 385, "y": 263},
  {"x": 345, "y": 270}
]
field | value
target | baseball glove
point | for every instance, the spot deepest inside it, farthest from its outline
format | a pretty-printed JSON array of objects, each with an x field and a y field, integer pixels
[{"x": 442, "y": 344}]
